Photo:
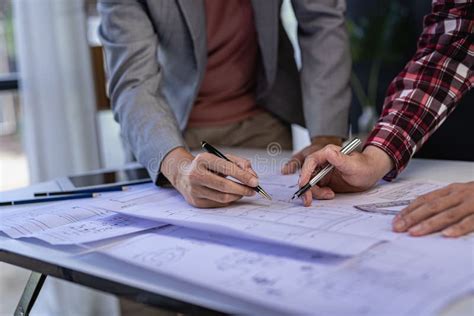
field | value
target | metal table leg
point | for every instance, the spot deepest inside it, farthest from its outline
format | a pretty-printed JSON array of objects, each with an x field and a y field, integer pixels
[{"x": 30, "y": 294}]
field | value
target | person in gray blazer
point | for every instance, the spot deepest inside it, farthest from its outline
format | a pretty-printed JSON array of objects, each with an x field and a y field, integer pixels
[{"x": 224, "y": 71}]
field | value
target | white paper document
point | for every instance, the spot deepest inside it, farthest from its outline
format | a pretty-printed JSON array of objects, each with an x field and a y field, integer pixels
[
  {"x": 331, "y": 226},
  {"x": 26, "y": 221},
  {"x": 70, "y": 222},
  {"x": 252, "y": 218},
  {"x": 396, "y": 278},
  {"x": 95, "y": 228}
]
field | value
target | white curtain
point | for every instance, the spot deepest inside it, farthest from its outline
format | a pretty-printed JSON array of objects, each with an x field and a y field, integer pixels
[
  {"x": 56, "y": 87},
  {"x": 58, "y": 119}
]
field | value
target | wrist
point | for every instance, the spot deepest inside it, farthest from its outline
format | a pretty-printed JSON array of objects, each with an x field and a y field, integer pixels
[
  {"x": 174, "y": 163},
  {"x": 326, "y": 140},
  {"x": 380, "y": 161}
]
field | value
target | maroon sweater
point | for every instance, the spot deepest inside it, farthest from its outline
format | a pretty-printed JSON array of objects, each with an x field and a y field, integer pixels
[{"x": 227, "y": 92}]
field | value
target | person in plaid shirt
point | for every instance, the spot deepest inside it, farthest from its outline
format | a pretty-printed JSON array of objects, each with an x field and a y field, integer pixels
[{"x": 418, "y": 101}]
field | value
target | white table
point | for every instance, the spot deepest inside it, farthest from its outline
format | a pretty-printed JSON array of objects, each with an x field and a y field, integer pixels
[{"x": 122, "y": 279}]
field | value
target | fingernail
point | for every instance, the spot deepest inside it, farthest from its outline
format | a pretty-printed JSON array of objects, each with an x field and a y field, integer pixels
[
  {"x": 253, "y": 182},
  {"x": 329, "y": 195},
  {"x": 416, "y": 229},
  {"x": 303, "y": 197},
  {"x": 449, "y": 232},
  {"x": 399, "y": 225}
]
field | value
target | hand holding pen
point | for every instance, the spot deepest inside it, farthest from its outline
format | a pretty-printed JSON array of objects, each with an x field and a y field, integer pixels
[
  {"x": 205, "y": 180},
  {"x": 212, "y": 150},
  {"x": 355, "y": 172},
  {"x": 318, "y": 158}
]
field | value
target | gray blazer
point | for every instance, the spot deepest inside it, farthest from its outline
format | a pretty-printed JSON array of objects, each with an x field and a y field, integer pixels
[{"x": 156, "y": 57}]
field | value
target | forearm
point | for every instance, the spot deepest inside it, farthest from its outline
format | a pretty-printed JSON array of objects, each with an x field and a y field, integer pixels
[
  {"x": 130, "y": 45},
  {"x": 431, "y": 84},
  {"x": 151, "y": 134},
  {"x": 324, "y": 140}
]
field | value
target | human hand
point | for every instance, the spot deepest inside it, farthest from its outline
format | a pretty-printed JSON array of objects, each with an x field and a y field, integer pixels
[
  {"x": 449, "y": 210},
  {"x": 202, "y": 179},
  {"x": 352, "y": 173},
  {"x": 317, "y": 143}
]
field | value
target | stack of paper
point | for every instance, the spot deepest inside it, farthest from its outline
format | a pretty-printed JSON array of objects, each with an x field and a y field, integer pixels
[
  {"x": 330, "y": 226},
  {"x": 330, "y": 258},
  {"x": 69, "y": 223}
]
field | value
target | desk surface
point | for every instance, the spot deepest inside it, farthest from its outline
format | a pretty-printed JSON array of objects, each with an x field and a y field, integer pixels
[{"x": 109, "y": 275}]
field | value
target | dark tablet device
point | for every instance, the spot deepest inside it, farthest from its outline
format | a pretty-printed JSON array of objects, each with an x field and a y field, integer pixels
[{"x": 105, "y": 178}]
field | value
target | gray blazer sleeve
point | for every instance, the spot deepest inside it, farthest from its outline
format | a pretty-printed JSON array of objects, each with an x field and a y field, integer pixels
[
  {"x": 146, "y": 119},
  {"x": 326, "y": 65}
]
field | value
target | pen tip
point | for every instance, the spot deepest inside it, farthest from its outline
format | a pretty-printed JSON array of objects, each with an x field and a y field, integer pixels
[
  {"x": 268, "y": 197},
  {"x": 293, "y": 197},
  {"x": 265, "y": 195}
]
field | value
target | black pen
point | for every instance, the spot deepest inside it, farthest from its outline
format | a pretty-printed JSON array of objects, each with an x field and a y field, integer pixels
[
  {"x": 89, "y": 190},
  {"x": 50, "y": 199},
  {"x": 210, "y": 149}
]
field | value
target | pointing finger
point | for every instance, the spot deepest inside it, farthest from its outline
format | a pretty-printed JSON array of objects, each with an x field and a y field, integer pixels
[
  {"x": 243, "y": 163},
  {"x": 226, "y": 168}
]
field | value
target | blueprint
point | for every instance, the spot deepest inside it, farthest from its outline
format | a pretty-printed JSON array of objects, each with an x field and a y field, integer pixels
[
  {"x": 94, "y": 229},
  {"x": 68, "y": 223},
  {"x": 331, "y": 226},
  {"x": 396, "y": 278},
  {"x": 330, "y": 257}
]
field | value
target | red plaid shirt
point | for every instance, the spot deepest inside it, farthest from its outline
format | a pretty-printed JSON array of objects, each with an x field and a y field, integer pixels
[{"x": 421, "y": 97}]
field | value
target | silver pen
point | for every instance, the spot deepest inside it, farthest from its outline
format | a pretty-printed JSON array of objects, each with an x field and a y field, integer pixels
[{"x": 346, "y": 150}]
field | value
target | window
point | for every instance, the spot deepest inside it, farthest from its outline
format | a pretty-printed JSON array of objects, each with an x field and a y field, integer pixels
[
  {"x": 13, "y": 166},
  {"x": 8, "y": 77}
]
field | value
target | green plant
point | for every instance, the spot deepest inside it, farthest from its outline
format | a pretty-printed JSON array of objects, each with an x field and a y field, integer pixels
[
  {"x": 9, "y": 33},
  {"x": 375, "y": 40},
  {"x": 6, "y": 18}
]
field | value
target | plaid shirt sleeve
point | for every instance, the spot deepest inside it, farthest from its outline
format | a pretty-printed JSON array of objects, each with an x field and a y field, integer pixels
[{"x": 421, "y": 97}]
